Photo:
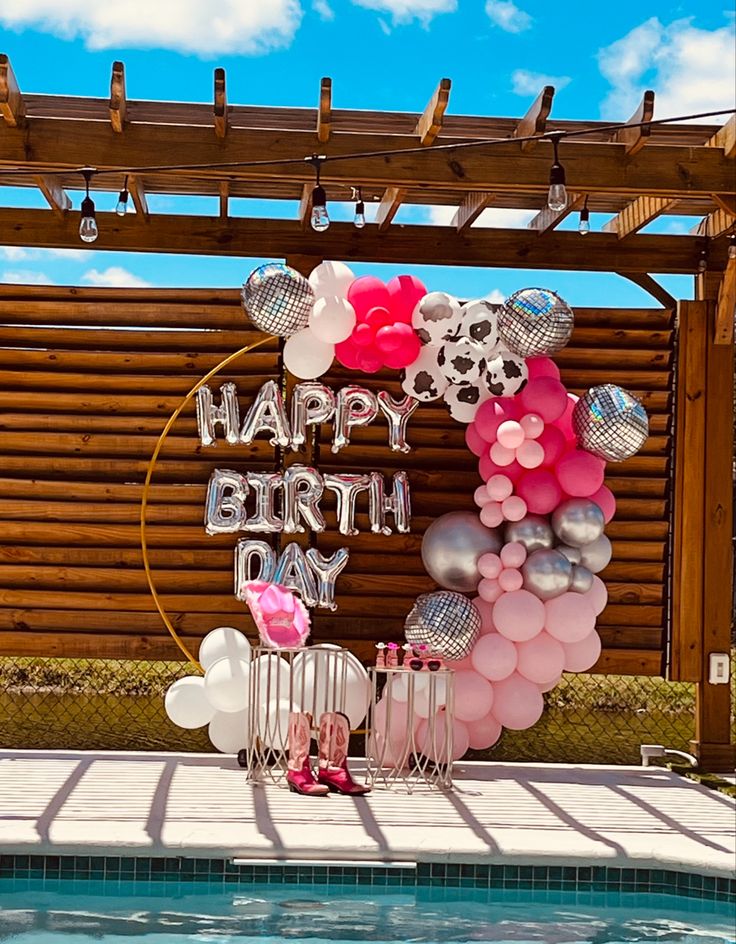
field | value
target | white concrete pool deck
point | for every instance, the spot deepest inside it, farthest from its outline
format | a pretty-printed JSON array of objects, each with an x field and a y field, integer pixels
[{"x": 201, "y": 805}]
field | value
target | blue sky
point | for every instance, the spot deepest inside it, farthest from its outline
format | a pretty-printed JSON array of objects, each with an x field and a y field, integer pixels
[{"x": 381, "y": 54}]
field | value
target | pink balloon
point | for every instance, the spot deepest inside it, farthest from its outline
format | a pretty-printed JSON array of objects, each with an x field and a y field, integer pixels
[
  {"x": 530, "y": 454},
  {"x": 490, "y": 566},
  {"x": 510, "y": 434},
  {"x": 460, "y": 664},
  {"x": 488, "y": 418},
  {"x": 519, "y": 615},
  {"x": 378, "y": 318},
  {"x": 533, "y": 425},
  {"x": 540, "y": 490},
  {"x": 513, "y": 508},
  {"x": 392, "y": 736},
  {"x": 580, "y": 474},
  {"x": 369, "y": 360},
  {"x": 517, "y": 702},
  {"x": 368, "y": 292},
  {"x": 363, "y": 335},
  {"x": 540, "y": 659},
  {"x": 487, "y": 467},
  {"x": 481, "y": 496},
  {"x": 494, "y": 657},
  {"x": 388, "y": 339},
  {"x": 569, "y": 617},
  {"x": 347, "y": 353},
  {"x": 583, "y": 654},
  {"x": 489, "y": 590},
  {"x": 514, "y": 471},
  {"x": 502, "y": 455},
  {"x": 510, "y": 580},
  {"x": 597, "y": 596},
  {"x": 499, "y": 487},
  {"x": 473, "y": 696},
  {"x": 544, "y": 396},
  {"x": 484, "y": 733},
  {"x": 406, "y": 354},
  {"x": 513, "y": 554},
  {"x": 491, "y": 514},
  {"x": 564, "y": 423},
  {"x": 474, "y": 441},
  {"x": 404, "y": 292},
  {"x": 542, "y": 367},
  {"x": 485, "y": 608},
  {"x": 511, "y": 406},
  {"x": 431, "y": 734},
  {"x": 554, "y": 444},
  {"x": 553, "y": 683},
  {"x": 605, "y": 500}
]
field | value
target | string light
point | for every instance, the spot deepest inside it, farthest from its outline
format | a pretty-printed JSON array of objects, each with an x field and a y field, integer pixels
[
  {"x": 703, "y": 260},
  {"x": 732, "y": 246},
  {"x": 122, "y": 208},
  {"x": 88, "y": 231},
  {"x": 359, "y": 218},
  {"x": 319, "y": 218},
  {"x": 584, "y": 224},
  {"x": 557, "y": 195}
]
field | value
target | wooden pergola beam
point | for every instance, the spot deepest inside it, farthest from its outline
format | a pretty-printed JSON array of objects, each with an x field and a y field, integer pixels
[
  {"x": 324, "y": 110},
  {"x": 224, "y": 198},
  {"x": 535, "y": 120},
  {"x": 430, "y": 121},
  {"x": 220, "y": 105},
  {"x": 634, "y": 139},
  {"x": 118, "y": 101},
  {"x": 636, "y": 215},
  {"x": 56, "y": 197},
  {"x": 725, "y": 203},
  {"x": 715, "y": 224},
  {"x": 305, "y": 206},
  {"x": 389, "y": 207},
  {"x": 725, "y": 138},
  {"x": 726, "y": 305},
  {"x": 138, "y": 193},
  {"x": 547, "y": 219},
  {"x": 470, "y": 209},
  {"x": 12, "y": 106}
]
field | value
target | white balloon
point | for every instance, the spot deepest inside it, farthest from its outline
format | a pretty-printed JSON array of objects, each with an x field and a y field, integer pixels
[
  {"x": 229, "y": 731},
  {"x": 306, "y": 356},
  {"x": 226, "y": 683},
  {"x": 423, "y": 703},
  {"x": 273, "y": 723},
  {"x": 331, "y": 278},
  {"x": 423, "y": 379},
  {"x": 271, "y": 676},
  {"x": 332, "y": 319},
  {"x": 436, "y": 317},
  {"x": 186, "y": 703},
  {"x": 328, "y": 678},
  {"x": 221, "y": 643},
  {"x": 464, "y": 400}
]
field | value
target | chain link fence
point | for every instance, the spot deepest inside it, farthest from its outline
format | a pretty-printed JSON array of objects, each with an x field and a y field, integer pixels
[{"x": 90, "y": 704}]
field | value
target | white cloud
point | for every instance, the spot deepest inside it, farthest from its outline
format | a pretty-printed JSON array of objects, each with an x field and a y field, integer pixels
[
  {"x": 508, "y": 16},
  {"x": 493, "y": 217},
  {"x": 243, "y": 27},
  {"x": 71, "y": 255},
  {"x": 532, "y": 83},
  {"x": 404, "y": 11},
  {"x": 26, "y": 277},
  {"x": 15, "y": 254},
  {"x": 114, "y": 277},
  {"x": 495, "y": 297},
  {"x": 691, "y": 70},
  {"x": 323, "y": 10}
]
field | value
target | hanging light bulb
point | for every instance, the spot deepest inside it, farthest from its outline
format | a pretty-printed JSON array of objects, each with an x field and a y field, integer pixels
[
  {"x": 359, "y": 218},
  {"x": 732, "y": 246},
  {"x": 319, "y": 218},
  {"x": 88, "y": 231},
  {"x": 557, "y": 195},
  {"x": 122, "y": 208},
  {"x": 584, "y": 224}
]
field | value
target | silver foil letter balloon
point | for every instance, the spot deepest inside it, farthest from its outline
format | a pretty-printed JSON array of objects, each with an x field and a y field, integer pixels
[
  {"x": 224, "y": 507},
  {"x": 326, "y": 570},
  {"x": 303, "y": 488},
  {"x": 347, "y": 487},
  {"x": 293, "y": 572},
  {"x": 264, "y": 485},
  {"x": 355, "y": 407},
  {"x": 397, "y": 413},
  {"x": 247, "y": 553},
  {"x": 311, "y": 403},
  {"x": 267, "y": 414},
  {"x": 397, "y": 504},
  {"x": 209, "y": 414}
]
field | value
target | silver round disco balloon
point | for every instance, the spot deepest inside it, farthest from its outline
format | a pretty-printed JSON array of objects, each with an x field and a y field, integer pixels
[
  {"x": 534, "y": 532},
  {"x": 451, "y": 547},
  {"x": 547, "y": 573},
  {"x": 278, "y": 299},
  {"x": 596, "y": 556},
  {"x": 582, "y": 579},
  {"x": 610, "y": 422},
  {"x": 535, "y": 321},
  {"x": 446, "y": 623},
  {"x": 571, "y": 553},
  {"x": 578, "y": 521}
]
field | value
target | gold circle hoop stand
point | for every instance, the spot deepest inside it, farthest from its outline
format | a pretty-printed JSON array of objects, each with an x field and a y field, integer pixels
[{"x": 147, "y": 485}]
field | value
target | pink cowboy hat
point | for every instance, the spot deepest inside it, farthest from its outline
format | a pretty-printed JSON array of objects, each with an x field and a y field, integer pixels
[{"x": 281, "y": 617}]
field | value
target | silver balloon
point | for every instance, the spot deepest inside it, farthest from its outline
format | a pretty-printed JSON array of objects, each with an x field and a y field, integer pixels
[
  {"x": 597, "y": 555},
  {"x": 571, "y": 553},
  {"x": 303, "y": 488},
  {"x": 355, "y": 407},
  {"x": 446, "y": 623},
  {"x": 535, "y": 321},
  {"x": 547, "y": 573},
  {"x": 311, "y": 403},
  {"x": 267, "y": 414},
  {"x": 533, "y": 532},
  {"x": 347, "y": 488},
  {"x": 326, "y": 570},
  {"x": 224, "y": 506},
  {"x": 397, "y": 504},
  {"x": 248, "y": 551},
  {"x": 610, "y": 422},
  {"x": 578, "y": 521},
  {"x": 582, "y": 579},
  {"x": 278, "y": 299},
  {"x": 451, "y": 547},
  {"x": 397, "y": 412},
  {"x": 227, "y": 412},
  {"x": 293, "y": 572},
  {"x": 265, "y": 485}
]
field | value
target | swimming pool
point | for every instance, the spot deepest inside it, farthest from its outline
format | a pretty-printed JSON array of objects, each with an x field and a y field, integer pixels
[{"x": 68, "y": 911}]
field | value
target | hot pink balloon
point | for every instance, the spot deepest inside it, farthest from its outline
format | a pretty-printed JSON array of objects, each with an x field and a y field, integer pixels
[
  {"x": 580, "y": 474},
  {"x": 530, "y": 454},
  {"x": 487, "y": 467},
  {"x": 473, "y": 696},
  {"x": 474, "y": 441},
  {"x": 405, "y": 355},
  {"x": 491, "y": 514},
  {"x": 404, "y": 292},
  {"x": 513, "y": 554},
  {"x": 532, "y": 424},
  {"x": 368, "y": 292},
  {"x": 544, "y": 396},
  {"x": 511, "y": 406},
  {"x": 597, "y": 596},
  {"x": 489, "y": 590},
  {"x": 363, "y": 335},
  {"x": 499, "y": 487},
  {"x": 485, "y": 608},
  {"x": 431, "y": 734},
  {"x": 583, "y": 654},
  {"x": 510, "y": 580},
  {"x": 513, "y": 508},
  {"x": 565, "y": 421},
  {"x": 378, "y": 318},
  {"x": 519, "y": 615},
  {"x": 605, "y": 500},
  {"x": 347, "y": 353},
  {"x": 502, "y": 455},
  {"x": 388, "y": 339},
  {"x": 494, "y": 657},
  {"x": 542, "y": 367},
  {"x": 488, "y": 418},
  {"x": 554, "y": 444},
  {"x": 510, "y": 434},
  {"x": 540, "y": 490},
  {"x": 568, "y": 617},
  {"x": 484, "y": 733},
  {"x": 540, "y": 659},
  {"x": 490, "y": 566},
  {"x": 481, "y": 496},
  {"x": 369, "y": 360},
  {"x": 517, "y": 702}
]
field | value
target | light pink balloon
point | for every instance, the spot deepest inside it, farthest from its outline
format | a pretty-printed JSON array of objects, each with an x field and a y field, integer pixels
[
  {"x": 513, "y": 508},
  {"x": 580, "y": 473},
  {"x": 554, "y": 444},
  {"x": 431, "y": 734},
  {"x": 499, "y": 487},
  {"x": 481, "y": 496},
  {"x": 513, "y": 554},
  {"x": 605, "y": 500},
  {"x": 510, "y": 434},
  {"x": 485, "y": 608},
  {"x": 544, "y": 396},
  {"x": 530, "y": 454},
  {"x": 392, "y": 737},
  {"x": 517, "y": 702},
  {"x": 540, "y": 490},
  {"x": 490, "y": 566},
  {"x": 553, "y": 683},
  {"x": 502, "y": 455},
  {"x": 540, "y": 659},
  {"x": 489, "y": 590},
  {"x": 510, "y": 580},
  {"x": 460, "y": 664},
  {"x": 519, "y": 615},
  {"x": 473, "y": 696},
  {"x": 569, "y": 617},
  {"x": 488, "y": 418},
  {"x": 474, "y": 441},
  {"x": 583, "y": 654},
  {"x": 533, "y": 425},
  {"x": 491, "y": 514},
  {"x": 597, "y": 596},
  {"x": 484, "y": 733},
  {"x": 494, "y": 657},
  {"x": 542, "y": 367}
]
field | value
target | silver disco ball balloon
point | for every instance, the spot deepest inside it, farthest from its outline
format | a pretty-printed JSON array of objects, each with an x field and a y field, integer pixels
[
  {"x": 278, "y": 299},
  {"x": 610, "y": 422},
  {"x": 446, "y": 623},
  {"x": 535, "y": 321},
  {"x": 451, "y": 547}
]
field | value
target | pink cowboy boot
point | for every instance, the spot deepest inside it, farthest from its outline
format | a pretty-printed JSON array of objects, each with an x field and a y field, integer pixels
[
  {"x": 334, "y": 733},
  {"x": 299, "y": 775}
]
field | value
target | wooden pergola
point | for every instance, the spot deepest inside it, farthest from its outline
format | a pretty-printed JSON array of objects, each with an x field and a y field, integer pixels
[{"x": 634, "y": 171}]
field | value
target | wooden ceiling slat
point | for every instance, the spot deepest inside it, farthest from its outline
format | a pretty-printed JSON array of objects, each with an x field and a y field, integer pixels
[
  {"x": 430, "y": 123},
  {"x": 392, "y": 199},
  {"x": 12, "y": 105},
  {"x": 726, "y": 306},
  {"x": 637, "y": 215},
  {"x": 725, "y": 138},
  {"x": 56, "y": 197},
  {"x": 535, "y": 120},
  {"x": 220, "y": 105},
  {"x": 324, "y": 110},
  {"x": 715, "y": 224},
  {"x": 138, "y": 194},
  {"x": 224, "y": 198},
  {"x": 305, "y": 207},
  {"x": 118, "y": 102},
  {"x": 634, "y": 139},
  {"x": 725, "y": 202},
  {"x": 547, "y": 219},
  {"x": 470, "y": 209}
]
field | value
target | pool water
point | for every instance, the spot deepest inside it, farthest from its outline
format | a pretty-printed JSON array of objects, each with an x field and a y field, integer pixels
[{"x": 71, "y": 912}]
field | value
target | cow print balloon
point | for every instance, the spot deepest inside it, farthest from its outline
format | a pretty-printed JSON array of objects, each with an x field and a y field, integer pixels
[
  {"x": 480, "y": 323},
  {"x": 464, "y": 400},
  {"x": 506, "y": 374},
  {"x": 423, "y": 379},
  {"x": 461, "y": 360},
  {"x": 436, "y": 317}
]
